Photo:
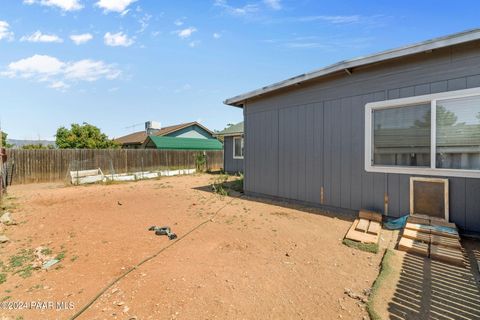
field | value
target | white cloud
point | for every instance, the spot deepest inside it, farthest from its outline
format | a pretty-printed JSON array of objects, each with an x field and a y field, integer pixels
[
  {"x": 238, "y": 11},
  {"x": 59, "y": 85},
  {"x": 186, "y": 33},
  {"x": 81, "y": 38},
  {"x": 144, "y": 22},
  {"x": 274, "y": 4},
  {"x": 194, "y": 44},
  {"x": 331, "y": 44},
  {"x": 58, "y": 74},
  {"x": 185, "y": 87},
  {"x": 89, "y": 70},
  {"x": 38, "y": 36},
  {"x": 332, "y": 19},
  {"x": 119, "y": 39},
  {"x": 65, "y": 5},
  {"x": 5, "y": 32},
  {"x": 119, "y": 6},
  {"x": 217, "y": 35},
  {"x": 37, "y": 65},
  {"x": 178, "y": 22}
]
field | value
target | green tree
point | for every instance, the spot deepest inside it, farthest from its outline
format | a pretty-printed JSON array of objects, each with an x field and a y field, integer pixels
[
  {"x": 84, "y": 136},
  {"x": 37, "y": 146},
  {"x": 4, "y": 140},
  {"x": 445, "y": 118}
]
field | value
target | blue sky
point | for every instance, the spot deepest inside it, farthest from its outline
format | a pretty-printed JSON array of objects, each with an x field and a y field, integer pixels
[{"x": 117, "y": 63}]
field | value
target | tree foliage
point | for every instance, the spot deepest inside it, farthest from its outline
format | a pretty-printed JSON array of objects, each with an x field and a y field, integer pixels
[
  {"x": 84, "y": 136},
  {"x": 445, "y": 118},
  {"x": 37, "y": 146},
  {"x": 4, "y": 140}
]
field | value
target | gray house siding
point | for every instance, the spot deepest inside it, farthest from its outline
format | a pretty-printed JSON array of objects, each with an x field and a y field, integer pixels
[
  {"x": 230, "y": 164},
  {"x": 303, "y": 139}
]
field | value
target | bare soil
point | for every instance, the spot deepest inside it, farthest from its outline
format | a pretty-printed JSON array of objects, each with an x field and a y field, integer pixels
[{"x": 255, "y": 259}]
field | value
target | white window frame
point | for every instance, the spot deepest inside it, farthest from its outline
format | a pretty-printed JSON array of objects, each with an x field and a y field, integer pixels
[
  {"x": 405, "y": 102},
  {"x": 241, "y": 145}
]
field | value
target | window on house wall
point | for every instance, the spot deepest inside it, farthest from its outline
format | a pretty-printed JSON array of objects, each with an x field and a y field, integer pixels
[
  {"x": 238, "y": 147},
  {"x": 458, "y": 133},
  {"x": 437, "y": 134},
  {"x": 401, "y": 136}
]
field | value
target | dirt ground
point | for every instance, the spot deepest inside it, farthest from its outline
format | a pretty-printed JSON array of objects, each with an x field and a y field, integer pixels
[{"x": 255, "y": 259}]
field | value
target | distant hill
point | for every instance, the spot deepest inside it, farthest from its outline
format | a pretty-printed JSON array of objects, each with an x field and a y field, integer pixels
[{"x": 21, "y": 143}]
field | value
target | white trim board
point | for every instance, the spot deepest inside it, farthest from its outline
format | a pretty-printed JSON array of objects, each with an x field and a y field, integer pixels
[
  {"x": 404, "y": 102},
  {"x": 241, "y": 145},
  {"x": 446, "y": 214}
]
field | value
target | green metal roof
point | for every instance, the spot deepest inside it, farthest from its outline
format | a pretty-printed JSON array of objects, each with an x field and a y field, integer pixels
[
  {"x": 236, "y": 128},
  {"x": 185, "y": 143}
]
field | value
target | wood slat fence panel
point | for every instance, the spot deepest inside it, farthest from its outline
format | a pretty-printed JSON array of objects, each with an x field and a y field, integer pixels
[{"x": 36, "y": 166}]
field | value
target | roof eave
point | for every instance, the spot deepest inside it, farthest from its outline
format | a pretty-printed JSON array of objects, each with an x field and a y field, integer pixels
[
  {"x": 425, "y": 46},
  {"x": 228, "y": 134}
]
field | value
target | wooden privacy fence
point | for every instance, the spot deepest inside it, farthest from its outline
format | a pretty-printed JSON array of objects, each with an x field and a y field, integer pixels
[{"x": 33, "y": 166}]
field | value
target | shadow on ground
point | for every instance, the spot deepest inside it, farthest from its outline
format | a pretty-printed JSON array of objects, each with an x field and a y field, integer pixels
[
  {"x": 288, "y": 204},
  {"x": 434, "y": 290}
]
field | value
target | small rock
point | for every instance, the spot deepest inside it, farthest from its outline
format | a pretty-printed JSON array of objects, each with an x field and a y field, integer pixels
[
  {"x": 114, "y": 290},
  {"x": 120, "y": 303},
  {"x": 4, "y": 238},
  {"x": 287, "y": 255},
  {"x": 354, "y": 295},
  {"x": 6, "y": 218}
]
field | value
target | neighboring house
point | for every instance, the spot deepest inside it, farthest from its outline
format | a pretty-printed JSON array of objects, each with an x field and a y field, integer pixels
[
  {"x": 174, "y": 143},
  {"x": 350, "y": 136},
  {"x": 136, "y": 140},
  {"x": 233, "y": 146}
]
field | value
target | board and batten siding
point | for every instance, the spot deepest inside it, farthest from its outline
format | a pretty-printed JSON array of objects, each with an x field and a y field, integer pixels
[
  {"x": 231, "y": 165},
  {"x": 303, "y": 139}
]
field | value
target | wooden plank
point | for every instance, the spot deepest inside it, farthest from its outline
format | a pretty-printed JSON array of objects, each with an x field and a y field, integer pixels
[
  {"x": 358, "y": 236},
  {"x": 442, "y": 223},
  {"x": 445, "y": 241},
  {"x": 444, "y": 232},
  {"x": 413, "y": 246},
  {"x": 418, "y": 227},
  {"x": 416, "y": 235},
  {"x": 419, "y": 219},
  {"x": 374, "y": 227},
  {"x": 448, "y": 255},
  {"x": 362, "y": 225},
  {"x": 370, "y": 215}
]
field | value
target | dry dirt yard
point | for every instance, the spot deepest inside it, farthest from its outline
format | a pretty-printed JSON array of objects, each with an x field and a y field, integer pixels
[{"x": 255, "y": 259}]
